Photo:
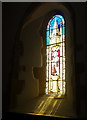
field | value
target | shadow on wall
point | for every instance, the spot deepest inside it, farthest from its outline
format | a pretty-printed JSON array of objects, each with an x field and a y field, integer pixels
[
  {"x": 38, "y": 74},
  {"x": 17, "y": 85}
]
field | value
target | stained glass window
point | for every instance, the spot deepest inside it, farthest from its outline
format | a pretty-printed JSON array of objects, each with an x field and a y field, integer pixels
[{"x": 55, "y": 56}]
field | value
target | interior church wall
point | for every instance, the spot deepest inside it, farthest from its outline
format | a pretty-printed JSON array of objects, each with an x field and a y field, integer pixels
[
  {"x": 31, "y": 35},
  {"x": 31, "y": 58},
  {"x": 32, "y": 43}
]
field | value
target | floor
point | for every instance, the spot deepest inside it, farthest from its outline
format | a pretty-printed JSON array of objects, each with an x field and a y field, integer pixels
[{"x": 47, "y": 105}]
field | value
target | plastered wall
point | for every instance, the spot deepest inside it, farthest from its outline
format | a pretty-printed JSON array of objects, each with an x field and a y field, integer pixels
[{"x": 31, "y": 38}]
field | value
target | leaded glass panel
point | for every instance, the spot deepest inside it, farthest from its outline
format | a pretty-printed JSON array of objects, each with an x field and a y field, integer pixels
[{"x": 55, "y": 56}]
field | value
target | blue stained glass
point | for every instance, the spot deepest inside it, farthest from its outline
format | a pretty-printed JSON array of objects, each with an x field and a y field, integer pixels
[
  {"x": 50, "y": 29},
  {"x": 59, "y": 16},
  {"x": 47, "y": 38},
  {"x": 59, "y": 20},
  {"x": 63, "y": 29},
  {"x": 58, "y": 25}
]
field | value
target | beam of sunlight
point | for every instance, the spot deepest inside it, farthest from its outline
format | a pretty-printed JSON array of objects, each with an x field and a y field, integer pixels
[
  {"x": 40, "y": 106},
  {"x": 54, "y": 103},
  {"x": 43, "y": 104},
  {"x": 48, "y": 101},
  {"x": 57, "y": 107},
  {"x": 48, "y": 105},
  {"x": 52, "y": 108}
]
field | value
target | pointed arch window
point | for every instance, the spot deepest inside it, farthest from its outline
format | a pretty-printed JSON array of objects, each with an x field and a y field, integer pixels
[{"x": 55, "y": 55}]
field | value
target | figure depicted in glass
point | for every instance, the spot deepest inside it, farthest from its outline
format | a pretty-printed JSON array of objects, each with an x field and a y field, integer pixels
[{"x": 55, "y": 52}]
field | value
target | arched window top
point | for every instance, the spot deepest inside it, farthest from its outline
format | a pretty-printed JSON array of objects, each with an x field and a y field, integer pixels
[
  {"x": 55, "y": 28},
  {"x": 58, "y": 18}
]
